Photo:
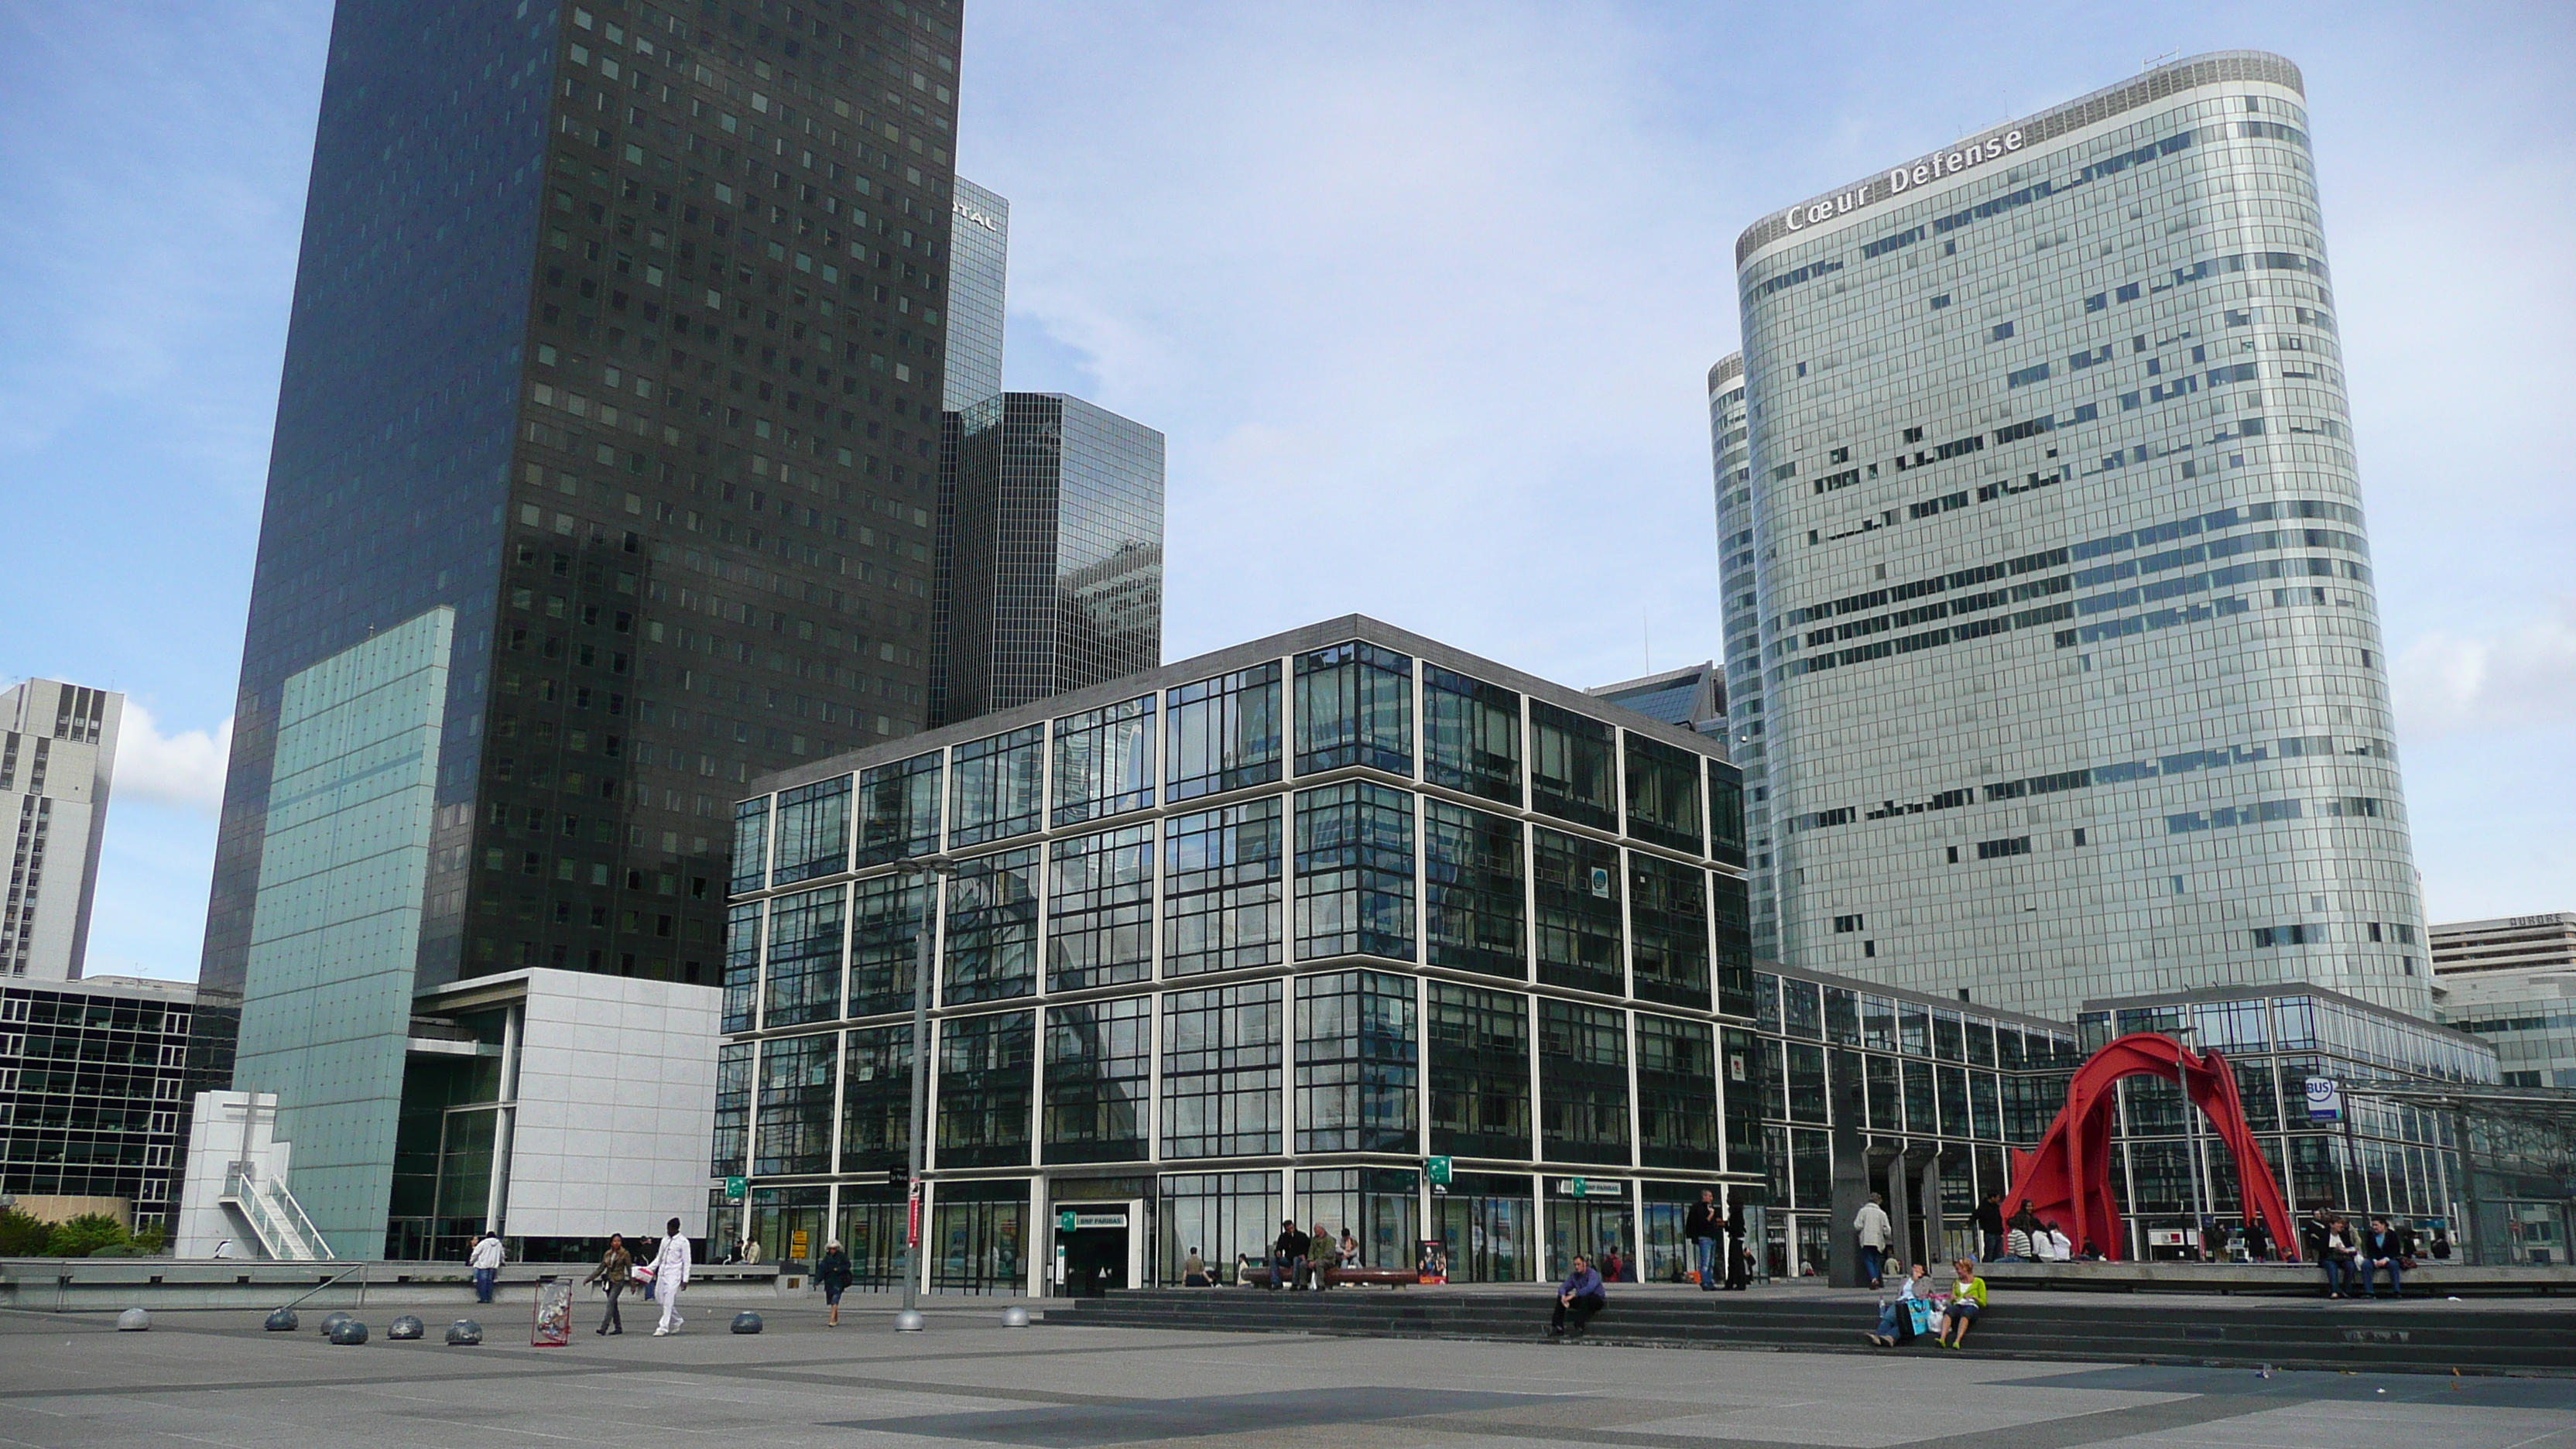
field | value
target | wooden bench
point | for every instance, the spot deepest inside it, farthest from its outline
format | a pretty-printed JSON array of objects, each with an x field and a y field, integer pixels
[{"x": 1260, "y": 1277}]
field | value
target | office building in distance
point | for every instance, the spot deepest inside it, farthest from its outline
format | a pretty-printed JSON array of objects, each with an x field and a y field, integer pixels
[
  {"x": 1693, "y": 696},
  {"x": 2073, "y": 685},
  {"x": 1246, "y": 937},
  {"x": 1740, "y": 612},
  {"x": 57, "y": 760},
  {"x": 603, "y": 481}
]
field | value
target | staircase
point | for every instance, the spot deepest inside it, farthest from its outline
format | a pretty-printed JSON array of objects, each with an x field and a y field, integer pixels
[
  {"x": 2416, "y": 1336},
  {"x": 276, "y": 1221}
]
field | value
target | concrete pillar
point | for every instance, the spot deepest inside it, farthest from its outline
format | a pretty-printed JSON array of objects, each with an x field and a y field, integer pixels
[
  {"x": 1850, "y": 1171},
  {"x": 1933, "y": 1227}
]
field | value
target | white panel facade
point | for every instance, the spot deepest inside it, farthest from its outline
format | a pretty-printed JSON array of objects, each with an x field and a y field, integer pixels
[{"x": 616, "y": 1106}]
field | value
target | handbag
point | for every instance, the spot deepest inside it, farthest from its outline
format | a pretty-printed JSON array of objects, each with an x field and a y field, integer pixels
[{"x": 641, "y": 1275}]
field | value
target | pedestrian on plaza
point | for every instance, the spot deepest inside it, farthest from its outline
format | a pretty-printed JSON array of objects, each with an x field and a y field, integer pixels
[
  {"x": 1288, "y": 1256},
  {"x": 670, "y": 1275},
  {"x": 835, "y": 1276},
  {"x": 2381, "y": 1248},
  {"x": 1990, "y": 1222},
  {"x": 1739, "y": 1255},
  {"x": 1896, "y": 1316},
  {"x": 616, "y": 1270},
  {"x": 2258, "y": 1241},
  {"x": 1580, "y": 1295},
  {"x": 486, "y": 1262},
  {"x": 1967, "y": 1300},
  {"x": 1705, "y": 1227},
  {"x": 1322, "y": 1256},
  {"x": 1875, "y": 1233},
  {"x": 1194, "y": 1272}
]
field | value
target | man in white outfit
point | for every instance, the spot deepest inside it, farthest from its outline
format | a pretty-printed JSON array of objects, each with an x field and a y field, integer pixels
[{"x": 670, "y": 1275}]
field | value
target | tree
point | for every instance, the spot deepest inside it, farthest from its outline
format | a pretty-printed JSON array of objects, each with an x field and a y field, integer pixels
[
  {"x": 21, "y": 1236},
  {"x": 84, "y": 1235}
]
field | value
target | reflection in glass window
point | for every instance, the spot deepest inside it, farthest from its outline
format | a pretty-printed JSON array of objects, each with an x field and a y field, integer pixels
[
  {"x": 987, "y": 1074},
  {"x": 1981, "y": 1043},
  {"x": 1806, "y": 1082},
  {"x": 1471, "y": 736},
  {"x": 899, "y": 810},
  {"x": 804, "y": 977},
  {"x": 813, "y": 831},
  {"x": 1357, "y": 1061},
  {"x": 733, "y": 1110},
  {"x": 1668, "y": 914},
  {"x": 1221, "y": 889},
  {"x": 1734, "y": 960},
  {"x": 1100, "y": 909},
  {"x": 1744, "y": 1081},
  {"x": 1954, "y": 1102},
  {"x": 1221, "y": 1071},
  {"x": 1878, "y": 1023},
  {"x": 1842, "y": 1016},
  {"x": 1354, "y": 871},
  {"x": 750, "y": 845},
  {"x": 1802, "y": 1011},
  {"x": 1766, "y": 1002},
  {"x": 1985, "y": 1105},
  {"x": 995, "y": 792},
  {"x": 885, "y": 943},
  {"x": 795, "y": 1108},
  {"x": 1886, "y": 1110},
  {"x": 1480, "y": 1082},
  {"x": 876, "y": 1099},
  {"x": 1919, "y": 1116},
  {"x": 1914, "y": 1028},
  {"x": 1099, "y": 1077},
  {"x": 1663, "y": 794},
  {"x": 1677, "y": 1116},
  {"x": 1583, "y": 1083},
  {"x": 1578, "y": 913},
  {"x": 742, "y": 966},
  {"x": 1225, "y": 732},
  {"x": 1218, "y": 1215},
  {"x": 1474, "y": 897},
  {"x": 1948, "y": 1043},
  {"x": 992, "y": 929},
  {"x": 1726, "y": 812},
  {"x": 1354, "y": 707},
  {"x": 1104, "y": 761},
  {"x": 1571, "y": 767}
]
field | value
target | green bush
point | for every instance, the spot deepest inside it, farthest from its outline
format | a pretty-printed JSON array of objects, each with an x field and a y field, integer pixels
[
  {"x": 21, "y": 1236},
  {"x": 84, "y": 1235},
  {"x": 152, "y": 1239}
]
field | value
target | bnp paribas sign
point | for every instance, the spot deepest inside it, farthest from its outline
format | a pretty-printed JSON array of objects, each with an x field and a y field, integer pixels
[{"x": 1905, "y": 178}]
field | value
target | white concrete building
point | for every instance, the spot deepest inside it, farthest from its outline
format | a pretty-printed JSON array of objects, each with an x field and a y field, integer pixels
[{"x": 57, "y": 751}]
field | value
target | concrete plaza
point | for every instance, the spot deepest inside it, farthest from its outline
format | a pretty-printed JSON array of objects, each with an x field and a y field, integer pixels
[{"x": 211, "y": 1377}]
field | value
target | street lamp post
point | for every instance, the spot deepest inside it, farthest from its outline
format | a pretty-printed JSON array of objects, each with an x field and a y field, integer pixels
[{"x": 930, "y": 869}]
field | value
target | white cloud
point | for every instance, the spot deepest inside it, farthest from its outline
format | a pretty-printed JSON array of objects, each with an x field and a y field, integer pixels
[
  {"x": 185, "y": 771},
  {"x": 2446, "y": 683}
]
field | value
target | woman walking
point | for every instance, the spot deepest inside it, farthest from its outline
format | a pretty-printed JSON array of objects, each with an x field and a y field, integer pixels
[
  {"x": 834, "y": 1274},
  {"x": 616, "y": 1272}
]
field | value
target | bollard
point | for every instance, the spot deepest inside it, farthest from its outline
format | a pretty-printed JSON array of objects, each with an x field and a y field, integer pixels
[
  {"x": 1015, "y": 1317},
  {"x": 331, "y": 1322},
  {"x": 405, "y": 1327},
  {"x": 133, "y": 1320},
  {"x": 348, "y": 1331},
  {"x": 908, "y": 1321},
  {"x": 281, "y": 1321},
  {"x": 746, "y": 1322},
  {"x": 464, "y": 1333}
]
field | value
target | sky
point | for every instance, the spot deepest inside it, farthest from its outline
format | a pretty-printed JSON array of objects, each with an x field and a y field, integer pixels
[{"x": 1424, "y": 297}]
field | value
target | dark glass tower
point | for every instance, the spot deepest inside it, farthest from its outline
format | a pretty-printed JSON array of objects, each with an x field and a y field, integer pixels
[{"x": 618, "y": 329}]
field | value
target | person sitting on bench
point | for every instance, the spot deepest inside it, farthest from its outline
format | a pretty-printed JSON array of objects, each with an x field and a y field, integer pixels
[
  {"x": 1580, "y": 1295},
  {"x": 1322, "y": 1257}
]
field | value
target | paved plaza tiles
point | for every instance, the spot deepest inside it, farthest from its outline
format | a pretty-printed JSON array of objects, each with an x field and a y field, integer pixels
[{"x": 212, "y": 1378}]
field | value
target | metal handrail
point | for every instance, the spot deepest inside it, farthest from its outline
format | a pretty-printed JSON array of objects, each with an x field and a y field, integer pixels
[{"x": 360, "y": 1268}]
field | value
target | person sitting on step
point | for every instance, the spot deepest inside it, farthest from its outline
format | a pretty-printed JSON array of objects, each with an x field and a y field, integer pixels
[{"x": 1579, "y": 1296}]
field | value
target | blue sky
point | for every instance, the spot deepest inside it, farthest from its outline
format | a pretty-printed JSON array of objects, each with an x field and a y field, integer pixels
[{"x": 1422, "y": 295}]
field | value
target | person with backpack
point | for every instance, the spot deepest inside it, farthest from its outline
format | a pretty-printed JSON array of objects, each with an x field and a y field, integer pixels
[
  {"x": 835, "y": 1276},
  {"x": 670, "y": 1275},
  {"x": 616, "y": 1272}
]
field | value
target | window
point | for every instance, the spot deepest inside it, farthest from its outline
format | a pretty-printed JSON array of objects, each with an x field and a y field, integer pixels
[
  {"x": 1354, "y": 707},
  {"x": 1571, "y": 767},
  {"x": 1677, "y": 1114},
  {"x": 1100, "y": 910},
  {"x": 899, "y": 810},
  {"x": 733, "y": 1110},
  {"x": 1225, "y": 733},
  {"x": 1356, "y": 1063},
  {"x": 1354, "y": 871},
  {"x": 1104, "y": 761},
  {"x": 1221, "y": 1071},
  {"x": 750, "y": 845},
  {"x": 1221, "y": 889},
  {"x": 1474, "y": 907},
  {"x": 1998, "y": 849},
  {"x": 987, "y": 1075},
  {"x": 742, "y": 966},
  {"x": 813, "y": 831},
  {"x": 1844, "y": 925},
  {"x": 885, "y": 943},
  {"x": 1583, "y": 1083},
  {"x": 1668, "y": 913},
  {"x": 1663, "y": 795},
  {"x": 804, "y": 977},
  {"x": 795, "y": 1108},
  {"x": 1726, "y": 812},
  {"x": 992, "y": 929},
  {"x": 995, "y": 792},
  {"x": 1471, "y": 736},
  {"x": 1578, "y": 913},
  {"x": 876, "y": 1099},
  {"x": 1099, "y": 1074},
  {"x": 2266, "y": 937},
  {"x": 1480, "y": 1081}
]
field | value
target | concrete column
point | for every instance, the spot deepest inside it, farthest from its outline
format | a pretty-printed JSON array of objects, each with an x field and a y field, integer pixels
[
  {"x": 1850, "y": 1171},
  {"x": 1932, "y": 1224}
]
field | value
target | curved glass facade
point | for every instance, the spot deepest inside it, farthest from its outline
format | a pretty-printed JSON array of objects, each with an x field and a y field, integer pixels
[{"x": 2071, "y": 671}]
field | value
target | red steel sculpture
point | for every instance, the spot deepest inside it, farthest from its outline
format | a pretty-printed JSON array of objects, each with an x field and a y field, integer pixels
[{"x": 2068, "y": 1179}]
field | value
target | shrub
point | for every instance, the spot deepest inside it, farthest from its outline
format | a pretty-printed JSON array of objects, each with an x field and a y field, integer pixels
[
  {"x": 152, "y": 1239},
  {"x": 84, "y": 1235},
  {"x": 21, "y": 1236}
]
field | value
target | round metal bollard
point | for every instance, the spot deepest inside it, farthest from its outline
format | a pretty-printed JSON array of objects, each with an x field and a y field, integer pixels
[
  {"x": 331, "y": 1322},
  {"x": 1015, "y": 1317},
  {"x": 348, "y": 1331},
  {"x": 908, "y": 1321},
  {"x": 281, "y": 1321},
  {"x": 464, "y": 1333},
  {"x": 405, "y": 1327},
  {"x": 133, "y": 1320},
  {"x": 746, "y": 1322}
]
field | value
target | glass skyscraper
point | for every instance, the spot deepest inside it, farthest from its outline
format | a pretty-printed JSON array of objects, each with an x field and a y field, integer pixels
[
  {"x": 2071, "y": 675},
  {"x": 1739, "y": 569},
  {"x": 978, "y": 280}
]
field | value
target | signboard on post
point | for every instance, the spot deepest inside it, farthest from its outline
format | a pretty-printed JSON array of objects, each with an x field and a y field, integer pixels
[
  {"x": 1438, "y": 1170},
  {"x": 734, "y": 1191},
  {"x": 2325, "y": 1099},
  {"x": 912, "y": 1220}
]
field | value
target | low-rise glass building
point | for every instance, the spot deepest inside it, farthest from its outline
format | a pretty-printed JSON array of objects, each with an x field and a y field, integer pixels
[{"x": 1272, "y": 932}]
